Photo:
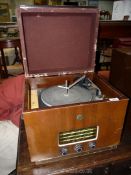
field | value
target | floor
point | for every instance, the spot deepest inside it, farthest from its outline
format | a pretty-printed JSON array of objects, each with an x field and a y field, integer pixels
[{"x": 15, "y": 69}]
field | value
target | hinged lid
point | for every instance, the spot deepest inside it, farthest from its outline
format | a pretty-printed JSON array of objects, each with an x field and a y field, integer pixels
[{"x": 58, "y": 40}]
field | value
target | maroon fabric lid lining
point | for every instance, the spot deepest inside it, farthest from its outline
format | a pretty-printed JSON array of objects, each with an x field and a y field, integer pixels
[{"x": 59, "y": 42}]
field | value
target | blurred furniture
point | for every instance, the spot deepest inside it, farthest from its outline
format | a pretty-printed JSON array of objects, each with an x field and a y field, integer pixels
[
  {"x": 105, "y": 54},
  {"x": 55, "y": 2},
  {"x": 114, "y": 29},
  {"x": 110, "y": 31},
  {"x": 71, "y": 3},
  {"x": 126, "y": 17},
  {"x": 40, "y": 2},
  {"x": 8, "y": 29},
  {"x": 4, "y": 12},
  {"x": 10, "y": 43},
  {"x": 122, "y": 42},
  {"x": 105, "y": 15},
  {"x": 120, "y": 77}
]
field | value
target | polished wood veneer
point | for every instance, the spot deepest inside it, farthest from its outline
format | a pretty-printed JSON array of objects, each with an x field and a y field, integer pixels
[
  {"x": 65, "y": 54},
  {"x": 44, "y": 125},
  {"x": 114, "y": 29},
  {"x": 100, "y": 163}
]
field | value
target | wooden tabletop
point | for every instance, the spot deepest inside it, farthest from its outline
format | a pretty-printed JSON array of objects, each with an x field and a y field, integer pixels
[
  {"x": 114, "y": 29},
  {"x": 67, "y": 166},
  {"x": 9, "y": 38}
]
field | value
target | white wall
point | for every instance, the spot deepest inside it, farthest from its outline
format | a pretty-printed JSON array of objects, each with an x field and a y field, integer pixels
[
  {"x": 127, "y": 8},
  {"x": 121, "y": 8}
]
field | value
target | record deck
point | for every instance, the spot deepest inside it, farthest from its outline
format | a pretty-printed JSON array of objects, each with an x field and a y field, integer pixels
[
  {"x": 69, "y": 110},
  {"x": 81, "y": 90}
]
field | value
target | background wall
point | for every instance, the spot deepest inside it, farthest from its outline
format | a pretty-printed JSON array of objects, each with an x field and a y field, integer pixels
[{"x": 121, "y": 8}]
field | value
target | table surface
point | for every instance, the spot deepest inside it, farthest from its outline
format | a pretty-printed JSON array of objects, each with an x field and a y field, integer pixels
[
  {"x": 9, "y": 38},
  {"x": 66, "y": 166},
  {"x": 114, "y": 29}
]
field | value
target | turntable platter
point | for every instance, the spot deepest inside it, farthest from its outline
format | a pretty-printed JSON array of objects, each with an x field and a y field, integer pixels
[{"x": 55, "y": 95}]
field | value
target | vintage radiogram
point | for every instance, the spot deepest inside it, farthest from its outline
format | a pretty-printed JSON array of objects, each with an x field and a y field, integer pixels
[{"x": 69, "y": 110}]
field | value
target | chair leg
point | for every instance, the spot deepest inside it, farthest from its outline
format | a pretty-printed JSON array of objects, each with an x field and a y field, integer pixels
[
  {"x": 17, "y": 58},
  {"x": 4, "y": 63}
]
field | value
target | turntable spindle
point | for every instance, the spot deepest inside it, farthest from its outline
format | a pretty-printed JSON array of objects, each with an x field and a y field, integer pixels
[
  {"x": 73, "y": 84},
  {"x": 66, "y": 85}
]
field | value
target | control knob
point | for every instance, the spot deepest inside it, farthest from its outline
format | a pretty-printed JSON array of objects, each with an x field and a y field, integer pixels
[
  {"x": 64, "y": 151},
  {"x": 92, "y": 145},
  {"x": 78, "y": 148}
]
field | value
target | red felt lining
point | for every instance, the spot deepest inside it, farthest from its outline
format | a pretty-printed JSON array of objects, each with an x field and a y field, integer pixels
[{"x": 12, "y": 98}]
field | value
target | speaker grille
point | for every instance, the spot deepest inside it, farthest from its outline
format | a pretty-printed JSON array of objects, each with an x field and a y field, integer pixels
[{"x": 78, "y": 136}]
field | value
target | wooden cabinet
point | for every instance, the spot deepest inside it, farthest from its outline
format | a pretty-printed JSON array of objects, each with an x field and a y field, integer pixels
[
  {"x": 111, "y": 162},
  {"x": 120, "y": 78}
]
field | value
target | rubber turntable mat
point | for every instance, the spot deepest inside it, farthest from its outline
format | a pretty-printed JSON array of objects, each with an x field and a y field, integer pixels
[{"x": 56, "y": 95}]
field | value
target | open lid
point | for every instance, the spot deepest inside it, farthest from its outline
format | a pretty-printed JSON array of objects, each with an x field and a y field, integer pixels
[{"x": 57, "y": 40}]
